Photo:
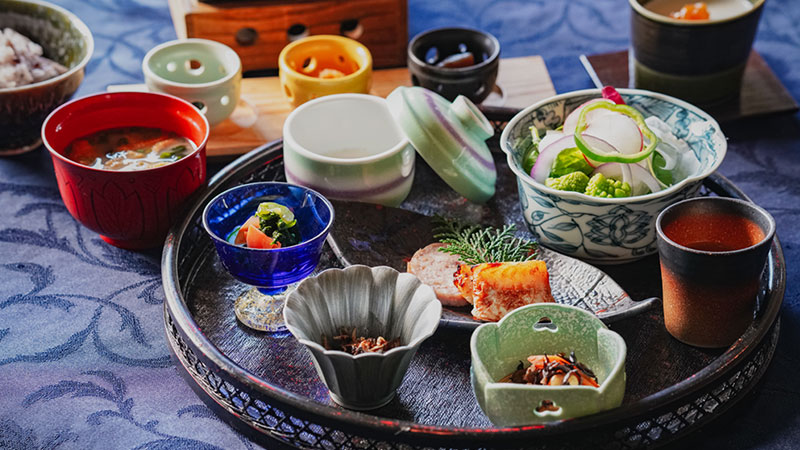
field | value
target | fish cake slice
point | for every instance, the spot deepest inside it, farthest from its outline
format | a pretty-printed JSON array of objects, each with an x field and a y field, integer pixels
[{"x": 436, "y": 269}]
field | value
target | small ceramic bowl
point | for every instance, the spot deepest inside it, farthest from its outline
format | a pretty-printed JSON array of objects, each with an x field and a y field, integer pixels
[
  {"x": 300, "y": 66},
  {"x": 355, "y": 152},
  {"x": 129, "y": 209},
  {"x": 474, "y": 81},
  {"x": 498, "y": 348},
  {"x": 203, "y": 72},
  {"x": 65, "y": 39},
  {"x": 269, "y": 268},
  {"x": 712, "y": 252},
  {"x": 684, "y": 57},
  {"x": 609, "y": 230},
  {"x": 378, "y": 301}
]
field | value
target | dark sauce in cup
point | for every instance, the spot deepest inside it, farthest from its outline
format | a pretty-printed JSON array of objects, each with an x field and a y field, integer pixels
[
  {"x": 463, "y": 56},
  {"x": 713, "y": 232}
]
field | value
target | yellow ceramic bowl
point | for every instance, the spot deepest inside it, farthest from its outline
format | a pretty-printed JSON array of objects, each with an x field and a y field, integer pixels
[{"x": 323, "y": 65}]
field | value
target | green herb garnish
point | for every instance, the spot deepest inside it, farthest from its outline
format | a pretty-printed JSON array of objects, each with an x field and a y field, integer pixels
[
  {"x": 475, "y": 244},
  {"x": 277, "y": 221},
  {"x": 172, "y": 152}
]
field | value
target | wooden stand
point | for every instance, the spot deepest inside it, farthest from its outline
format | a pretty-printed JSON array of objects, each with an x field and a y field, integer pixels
[
  {"x": 258, "y": 30},
  {"x": 262, "y": 109},
  {"x": 762, "y": 93}
]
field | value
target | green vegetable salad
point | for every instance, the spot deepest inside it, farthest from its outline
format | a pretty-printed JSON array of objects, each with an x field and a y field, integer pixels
[{"x": 606, "y": 149}]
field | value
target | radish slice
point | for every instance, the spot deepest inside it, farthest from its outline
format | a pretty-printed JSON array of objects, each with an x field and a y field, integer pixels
[
  {"x": 572, "y": 119},
  {"x": 618, "y": 130}
]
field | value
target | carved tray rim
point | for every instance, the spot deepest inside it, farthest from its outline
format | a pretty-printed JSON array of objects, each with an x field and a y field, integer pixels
[{"x": 177, "y": 315}]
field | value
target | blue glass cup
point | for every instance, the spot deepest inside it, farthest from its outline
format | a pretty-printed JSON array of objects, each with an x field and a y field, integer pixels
[{"x": 270, "y": 271}]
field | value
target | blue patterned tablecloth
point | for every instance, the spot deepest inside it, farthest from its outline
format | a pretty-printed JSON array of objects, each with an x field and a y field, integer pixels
[{"x": 83, "y": 358}]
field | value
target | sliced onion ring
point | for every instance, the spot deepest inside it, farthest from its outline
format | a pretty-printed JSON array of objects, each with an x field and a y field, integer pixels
[{"x": 547, "y": 155}]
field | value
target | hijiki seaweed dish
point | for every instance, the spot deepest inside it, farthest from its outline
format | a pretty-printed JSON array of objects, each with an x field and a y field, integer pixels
[{"x": 552, "y": 370}]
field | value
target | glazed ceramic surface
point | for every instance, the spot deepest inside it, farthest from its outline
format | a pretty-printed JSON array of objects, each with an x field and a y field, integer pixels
[
  {"x": 475, "y": 81},
  {"x": 381, "y": 236},
  {"x": 303, "y": 53},
  {"x": 277, "y": 267},
  {"x": 683, "y": 57},
  {"x": 355, "y": 152},
  {"x": 609, "y": 230},
  {"x": 497, "y": 348},
  {"x": 64, "y": 39},
  {"x": 378, "y": 301},
  {"x": 131, "y": 209},
  {"x": 710, "y": 296},
  {"x": 450, "y": 137},
  {"x": 205, "y": 73}
]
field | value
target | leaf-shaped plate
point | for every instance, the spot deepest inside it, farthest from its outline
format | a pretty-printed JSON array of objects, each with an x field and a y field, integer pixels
[{"x": 382, "y": 236}]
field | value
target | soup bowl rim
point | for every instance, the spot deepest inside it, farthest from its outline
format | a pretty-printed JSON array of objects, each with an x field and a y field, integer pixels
[
  {"x": 60, "y": 156},
  {"x": 217, "y": 239}
]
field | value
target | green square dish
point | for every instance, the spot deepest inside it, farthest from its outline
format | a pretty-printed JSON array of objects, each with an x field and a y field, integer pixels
[{"x": 497, "y": 349}]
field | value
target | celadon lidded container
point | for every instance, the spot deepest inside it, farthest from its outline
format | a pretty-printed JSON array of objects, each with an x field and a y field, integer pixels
[
  {"x": 498, "y": 348},
  {"x": 361, "y": 147}
]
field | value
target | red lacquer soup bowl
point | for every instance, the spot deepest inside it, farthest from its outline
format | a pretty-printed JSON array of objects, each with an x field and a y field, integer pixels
[{"x": 129, "y": 209}]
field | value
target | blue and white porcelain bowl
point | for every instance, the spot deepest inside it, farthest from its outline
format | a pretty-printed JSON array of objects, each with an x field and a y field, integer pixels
[{"x": 609, "y": 230}]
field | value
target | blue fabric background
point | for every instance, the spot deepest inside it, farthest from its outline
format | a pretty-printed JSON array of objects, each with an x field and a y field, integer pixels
[{"x": 83, "y": 361}]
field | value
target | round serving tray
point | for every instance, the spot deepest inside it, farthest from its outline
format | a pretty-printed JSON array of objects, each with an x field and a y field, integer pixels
[{"x": 267, "y": 387}]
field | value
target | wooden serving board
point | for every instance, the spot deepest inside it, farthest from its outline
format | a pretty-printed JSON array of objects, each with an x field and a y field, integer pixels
[
  {"x": 258, "y": 30},
  {"x": 263, "y": 108},
  {"x": 762, "y": 93}
]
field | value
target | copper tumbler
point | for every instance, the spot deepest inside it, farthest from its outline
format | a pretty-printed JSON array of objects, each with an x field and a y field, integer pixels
[{"x": 712, "y": 252}]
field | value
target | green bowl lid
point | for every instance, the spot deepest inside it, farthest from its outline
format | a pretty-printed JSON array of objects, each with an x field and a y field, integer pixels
[{"x": 450, "y": 137}]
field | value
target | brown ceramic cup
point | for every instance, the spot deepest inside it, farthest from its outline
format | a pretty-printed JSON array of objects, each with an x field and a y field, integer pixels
[
  {"x": 701, "y": 61},
  {"x": 712, "y": 252}
]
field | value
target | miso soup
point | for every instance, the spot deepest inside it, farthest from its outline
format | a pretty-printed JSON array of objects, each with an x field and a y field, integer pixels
[{"x": 129, "y": 148}]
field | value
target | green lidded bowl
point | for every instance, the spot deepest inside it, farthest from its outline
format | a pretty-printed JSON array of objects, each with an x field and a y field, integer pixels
[{"x": 497, "y": 349}]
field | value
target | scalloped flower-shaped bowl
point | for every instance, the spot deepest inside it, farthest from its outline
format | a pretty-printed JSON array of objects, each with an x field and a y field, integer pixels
[
  {"x": 609, "y": 230},
  {"x": 497, "y": 349},
  {"x": 378, "y": 301}
]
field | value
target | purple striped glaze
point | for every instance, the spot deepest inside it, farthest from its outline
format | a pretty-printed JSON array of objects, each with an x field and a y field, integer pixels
[
  {"x": 456, "y": 135},
  {"x": 349, "y": 193}
]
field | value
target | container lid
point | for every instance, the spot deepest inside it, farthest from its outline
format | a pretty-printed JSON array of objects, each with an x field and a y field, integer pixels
[{"x": 450, "y": 137}]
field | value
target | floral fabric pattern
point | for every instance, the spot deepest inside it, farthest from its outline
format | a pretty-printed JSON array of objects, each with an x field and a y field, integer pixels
[{"x": 83, "y": 358}]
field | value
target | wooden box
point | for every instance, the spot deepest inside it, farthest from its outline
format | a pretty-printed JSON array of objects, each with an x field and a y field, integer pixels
[{"x": 258, "y": 30}]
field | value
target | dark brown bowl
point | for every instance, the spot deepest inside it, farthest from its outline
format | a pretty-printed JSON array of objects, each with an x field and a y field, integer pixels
[
  {"x": 475, "y": 81},
  {"x": 699, "y": 61},
  {"x": 65, "y": 39}
]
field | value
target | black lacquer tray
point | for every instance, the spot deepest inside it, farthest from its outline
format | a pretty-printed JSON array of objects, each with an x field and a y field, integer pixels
[{"x": 267, "y": 387}]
